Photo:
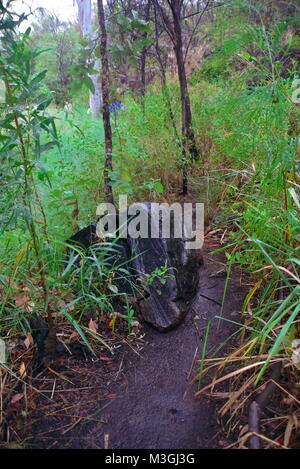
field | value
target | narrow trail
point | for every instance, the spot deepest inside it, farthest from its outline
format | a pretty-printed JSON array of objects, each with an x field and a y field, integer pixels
[{"x": 154, "y": 405}]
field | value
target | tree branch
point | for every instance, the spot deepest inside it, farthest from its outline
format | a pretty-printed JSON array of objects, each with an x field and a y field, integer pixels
[
  {"x": 166, "y": 22},
  {"x": 210, "y": 8},
  {"x": 196, "y": 26}
]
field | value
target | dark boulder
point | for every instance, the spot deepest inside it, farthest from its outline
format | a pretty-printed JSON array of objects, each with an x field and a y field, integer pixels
[
  {"x": 169, "y": 273},
  {"x": 165, "y": 273},
  {"x": 85, "y": 237}
]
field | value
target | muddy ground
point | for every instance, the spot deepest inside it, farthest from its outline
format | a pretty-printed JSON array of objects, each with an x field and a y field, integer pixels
[{"x": 145, "y": 397}]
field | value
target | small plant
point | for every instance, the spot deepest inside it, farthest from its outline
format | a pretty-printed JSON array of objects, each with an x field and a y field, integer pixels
[
  {"x": 160, "y": 274},
  {"x": 26, "y": 131},
  {"x": 129, "y": 317}
]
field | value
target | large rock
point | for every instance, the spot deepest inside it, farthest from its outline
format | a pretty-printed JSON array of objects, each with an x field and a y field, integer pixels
[
  {"x": 169, "y": 296},
  {"x": 166, "y": 274}
]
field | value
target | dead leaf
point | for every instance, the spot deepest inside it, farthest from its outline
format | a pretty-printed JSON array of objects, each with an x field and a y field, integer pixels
[
  {"x": 288, "y": 431},
  {"x": 16, "y": 398},
  {"x": 75, "y": 213},
  {"x": 28, "y": 341},
  {"x": 223, "y": 443},
  {"x": 56, "y": 303},
  {"x": 29, "y": 307},
  {"x": 22, "y": 370},
  {"x": 135, "y": 324},
  {"x": 106, "y": 359},
  {"x": 296, "y": 352},
  {"x": 21, "y": 301},
  {"x": 93, "y": 326},
  {"x": 11, "y": 446},
  {"x": 74, "y": 335},
  {"x": 112, "y": 322}
]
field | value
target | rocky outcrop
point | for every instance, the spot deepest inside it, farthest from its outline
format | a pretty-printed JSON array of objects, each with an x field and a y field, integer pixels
[{"x": 165, "y": 272}]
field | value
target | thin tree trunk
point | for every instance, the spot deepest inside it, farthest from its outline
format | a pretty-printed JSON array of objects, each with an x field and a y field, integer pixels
[
  {"x": 189, "y": 142},
  {"x": 173, "y": 28},
  {"x": 143, "y": 60},
  {"x": 108, "y": 167},
  {"x": 165, "y": 90}
]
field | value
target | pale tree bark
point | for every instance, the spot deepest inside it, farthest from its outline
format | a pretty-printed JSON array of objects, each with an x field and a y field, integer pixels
[
  {"x": 85, "y": 22},
  {"x": 95, "y": 98},
  {"x": 85, "y": 16},
  {"x": 108, "y": 167}
]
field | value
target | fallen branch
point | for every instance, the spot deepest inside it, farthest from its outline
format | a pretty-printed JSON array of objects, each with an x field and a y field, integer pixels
[{"x": 257, "y": 407}]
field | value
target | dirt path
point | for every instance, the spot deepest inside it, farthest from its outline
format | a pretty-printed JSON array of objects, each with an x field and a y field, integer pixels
[{"x": 154, "y": 406}]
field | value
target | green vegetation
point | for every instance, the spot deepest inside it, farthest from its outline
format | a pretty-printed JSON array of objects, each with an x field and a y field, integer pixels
[{"x": 246, "y": 124}]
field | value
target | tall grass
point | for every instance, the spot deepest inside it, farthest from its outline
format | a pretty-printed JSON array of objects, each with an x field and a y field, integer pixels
[{"x": 249, "y": 168}]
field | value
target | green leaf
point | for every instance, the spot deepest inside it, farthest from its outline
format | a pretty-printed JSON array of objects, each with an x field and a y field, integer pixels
[
  {"x": 278, "y": 342},
  {"x": 27, "y": 32},
  {"x": 89, "y": 84},
  {"x": 139, "y": 44},
  {"x": 113, "y": 288},
  {"x": 246, "y": 55},
  {"x": 37, "y": 79},
  {"x": 159, "y": 187},
  {"x": 39, "y": 52},
  {"x": 44, "y": 104},
  {"x": 141, "y": 25},
  {"x": 76, "y": 325},
  {"x": 75, "y": 85},
  {"x": 43, "y": 171},
  {"x": 132, "y": 60}
]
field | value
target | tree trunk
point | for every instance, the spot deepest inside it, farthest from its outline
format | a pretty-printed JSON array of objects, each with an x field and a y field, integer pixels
[
  {"x": 173, "y": 28},
  {"x": 189, "y": 143},
  {"x": 143, "y": 60},
  {"x": 108, "y": 167},
  {"x": 162, "y": 64},
  {"x": 85, "y": 21}
]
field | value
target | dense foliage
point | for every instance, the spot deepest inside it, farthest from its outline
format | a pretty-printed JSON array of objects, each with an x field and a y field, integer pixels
[{"x": 242, "y": 66}]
